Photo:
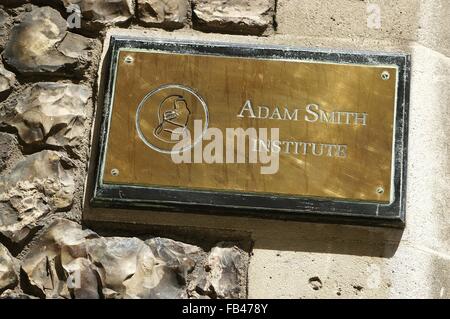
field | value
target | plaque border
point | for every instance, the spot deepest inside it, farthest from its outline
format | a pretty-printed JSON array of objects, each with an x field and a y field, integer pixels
[{"x": 250, "y": 204}]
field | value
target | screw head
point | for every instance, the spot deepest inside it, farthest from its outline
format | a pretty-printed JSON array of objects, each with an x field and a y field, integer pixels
[
  {"x": 385, "y": 75},
  {"x": 115, "y": 172},
  {"x": 128, "y": 59},
  {"x": 380, "y": 190}
]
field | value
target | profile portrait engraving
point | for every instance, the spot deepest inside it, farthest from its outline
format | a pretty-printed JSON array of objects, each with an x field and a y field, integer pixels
[
  {"x": 173, "y": 115},
  {"x": 165, "y": 116}
]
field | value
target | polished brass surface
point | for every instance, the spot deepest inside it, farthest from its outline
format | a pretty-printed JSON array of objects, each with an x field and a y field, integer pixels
[{"x": 225, "y": 85}]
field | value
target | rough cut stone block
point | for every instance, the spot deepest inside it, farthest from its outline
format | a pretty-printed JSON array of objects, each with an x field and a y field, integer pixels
[
  {"x": 132, "y": 270},
  {"x": 224, "y": 272},
  {"x": 171, "y": 14},
  {"x": 125, "y": 267},
  {"x": 180, "y": 257},
  {"x": 52, "y": 114},
  {"x": 8, "y": 267},
  {"x": 234, "y": 16},
  {"x": 68, "y": 262},
  {"x": 75, "y": 46},
  {"x": 103, "y": 12},
  {"x": 14, "y": 294},
  {"x": 36, "y": 186},
  {"x": 7, "y": 80},
  {"x": 64, "y": 240},
  {"x": 40, "y": 44}
]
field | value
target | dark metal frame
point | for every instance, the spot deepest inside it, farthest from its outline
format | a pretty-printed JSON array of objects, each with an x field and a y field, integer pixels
[{"x": 251, "y": 204}]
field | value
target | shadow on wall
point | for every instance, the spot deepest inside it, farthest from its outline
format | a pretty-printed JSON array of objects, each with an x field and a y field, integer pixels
[{"x": 329, "y": 238}]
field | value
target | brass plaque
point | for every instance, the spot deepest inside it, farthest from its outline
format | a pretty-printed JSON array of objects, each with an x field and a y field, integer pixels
[{"x": 253, "y": 122}]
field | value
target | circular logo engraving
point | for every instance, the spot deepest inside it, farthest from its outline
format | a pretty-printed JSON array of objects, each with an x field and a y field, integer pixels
[{"x": 167, "y": 114}]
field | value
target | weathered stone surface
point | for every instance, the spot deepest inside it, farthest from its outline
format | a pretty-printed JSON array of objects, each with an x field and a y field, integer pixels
[
  {"x": 36, "y": 186},
  {"x": 234, "y": 16},
  {"x": 52, "y": 114},
  {"x": 116, "y": 259},
  {"x": 3, "y": 19},
  {"x": 49, "y": 266},
  {"x": 20, "y": 235},
  {"x": 12, "y": 294},
  {"x": 118, "y": 267},
  {"x": 128, "y": 268},
  {"x": 75, "y": 46},
  {"x": 104, "y": 12},
  {"x": 8, "y": 149},
  {"x": 68, "y": 262},
  {"x": 164, "y": 13},
  {"x": 82, "y": 279},
  {"x": 178, "y": 256},
  {"x": 39, "y": 45},
  {"x": 223, "y": 273},
  {"x": 10, "y": 154},
  {"x": 7, "y": 80},
  {"x": 8, "y": 268}
]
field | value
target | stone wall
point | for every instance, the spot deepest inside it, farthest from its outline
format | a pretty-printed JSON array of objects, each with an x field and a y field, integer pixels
[{"x": 49, "y": 92}]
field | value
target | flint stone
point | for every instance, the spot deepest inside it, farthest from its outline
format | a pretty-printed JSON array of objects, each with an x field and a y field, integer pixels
[
  {"x": 172, "y": 14},
  {"x": 82, "y": 279},
  {"x": 8, "y": 148},
  {"x": 223, "y": 272},
  {"x": 41, "y": 44},
  {"x": 128, "y": 267},
  {"x": 20, "y": 235},
  {"x": 8, "y": 267},
  {"x": 180, "y": 257},
  {"x": 75, "y": 46},
  {"x": 36, "y": 186},
  {"x": 103, "y": 12},
  {"x": 234, "y": 16},
  {"x": 7, "y": 80},
  {"x": 49, "y": 264},
  {"x": 68, "y": 262},
  {"x": 12, "y": 294},
  {"x": 52, "y": 114},
  {"x": 3, "y": 19}
]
